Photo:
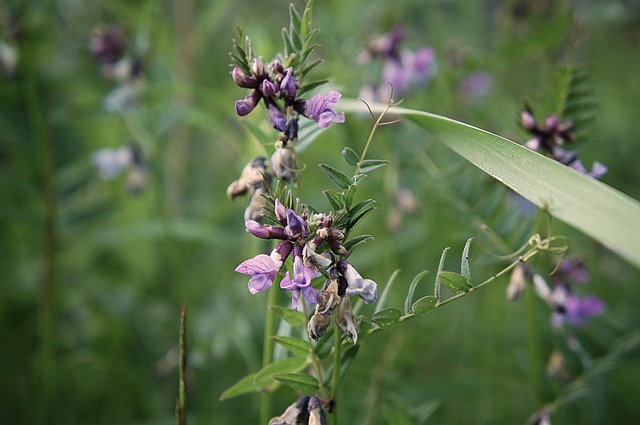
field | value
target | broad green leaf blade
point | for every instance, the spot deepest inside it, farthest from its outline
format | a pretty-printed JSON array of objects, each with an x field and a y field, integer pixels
[
  {"x": 409, "y": 299},
  {"x": 424, "y": 305},
  {"x": 338, "y": 177},
  {"x": 294, "y": 318},
  {"x": 288, "y": 365},
  {"x": 455, "y": 282},
  {"x": 387, "y": 317},
  {"x": 296, "y": 346},
  {"x": 598, "y": 210},
  {"x": 243, "y": 386},
  {"x": 300, "y": 382},
  {"x": 465, "y": 270}
]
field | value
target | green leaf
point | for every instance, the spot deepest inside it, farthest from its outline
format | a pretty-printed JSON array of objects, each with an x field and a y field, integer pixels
[
  {"x": 387, "y": 289},
  {"x": 338, "y": 177},
  {"x": 387, "y": 318},
  {"x": 305, "y": 26},
  {"x": 598, "y": 210},
  {"x": 300, "y": 382},
  {"x": 465, "y": 270},
  {"x": 455, "y": 282},
  {"x": 348, "y": 198},
  {"x": 336, "y": 200},
  {"x": 436, "y": 288},
  {"x": 359, "y": 211},
  {"x": 350, "y": 156},
  {"x": 424, "y": 305},
  {"x": 243, "y": 386},
  {"x": 296, "y": 346},
  {"x": 412, "y": 288},
  {"x": 288, "y": 365},
  {"x": 352, "y": 243},
  {"x": 294, "y": 318},
  {"x": 369, "y": 165}
]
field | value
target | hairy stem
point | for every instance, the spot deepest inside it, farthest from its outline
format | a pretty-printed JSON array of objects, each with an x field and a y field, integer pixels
[{"x": 335, "y": 379}]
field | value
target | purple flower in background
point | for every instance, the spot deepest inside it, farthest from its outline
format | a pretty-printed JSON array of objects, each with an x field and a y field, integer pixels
[
  {"x": 111, "y": 162},
  {"x": 572, "y": 309},
  {"x": 320, "y": 109},
  {"x": 476, "y": 85},
  {"x": 550, "y": 138}
]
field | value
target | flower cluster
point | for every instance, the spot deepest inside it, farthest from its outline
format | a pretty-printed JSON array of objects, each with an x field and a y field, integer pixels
[
  {"x": 314, "y": 246},
  {"x": 567, "y": 307},
  {"x": 550, "y": 139},
  {"x": 401, "y": 68},
  {"x": 277, "y": 87},
  {"x": 109, "y": 46}
]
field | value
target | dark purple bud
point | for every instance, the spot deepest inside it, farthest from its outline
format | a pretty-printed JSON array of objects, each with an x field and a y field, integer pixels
[
  {"x": 296, "y": 226},
  {"x": 282, "y": 249},
  {"x": 243, "y": 80},
  {"x": 528, "y": 121},
  {"x": 288, "y": 85},
  {"x": 264, "y": 232},
  {"x": 337, "y": 247},
  {"x": 276, "y": 116},
  {"x": 107, "y": 44},
  {"x": 291, "y": 131},
  {"x": 551, "y": 123},
  {"x": 246, "y": 105},
  {"x": 267, "y": 88}
]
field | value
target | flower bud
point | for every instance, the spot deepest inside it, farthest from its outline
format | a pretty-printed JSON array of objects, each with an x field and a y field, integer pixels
[
  {"x": 246, "y": 105},
  {"x": 243, "y": 80},
  {"x": 284, "y": 164},
  {"x": 288, "y": 85},
  {"x": 267, "y": 88}
]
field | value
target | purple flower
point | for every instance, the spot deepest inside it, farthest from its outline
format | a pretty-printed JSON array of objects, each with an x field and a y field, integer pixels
[
  {"x": 320, "y": 109},
  {"x": 263, "y": 269},
  {"x": 366, "y": 289},
  {"x": 301, "y": 282},
  {"x": 573, "y": 309},
  {"x": 111, "y": 162},
  {"x": 476, "y": 85}
]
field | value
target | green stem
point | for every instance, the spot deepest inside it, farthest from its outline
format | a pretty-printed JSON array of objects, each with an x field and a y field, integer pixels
[
  {"x": 181, "y": 409},
  {"x": 266, "y": 399},
  {"x": 335, "y": 379},
  {"x": 40, "y": 130},
  {"x": 535, "y": 364}
]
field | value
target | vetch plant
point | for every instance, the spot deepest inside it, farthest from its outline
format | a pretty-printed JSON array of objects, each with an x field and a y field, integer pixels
[{"x": 310, "y": 253}]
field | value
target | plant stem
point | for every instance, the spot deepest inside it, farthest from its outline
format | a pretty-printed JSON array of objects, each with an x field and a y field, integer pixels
[
  {"x": 181, "y": 411},
  {"x": 335, "y": 379},
  {"x": 267, "y": 349}
]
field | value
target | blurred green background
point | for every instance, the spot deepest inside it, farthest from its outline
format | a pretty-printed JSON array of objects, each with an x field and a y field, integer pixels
[{"x": 93, "y": 276}]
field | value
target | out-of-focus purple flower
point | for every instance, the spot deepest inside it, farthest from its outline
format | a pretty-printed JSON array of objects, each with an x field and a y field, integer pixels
[
  {"x": 420, "y": 64},
  {"x": 572, "y": 309},
  {"x": 574, "y": 270},
  {"x": 550, "y": 138},
  {"x": 476, "y": 85},
  {"x": 111, "y": 162},
  {"x": 107, "y": 44},
  {"x": 320, "y": 109}
]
